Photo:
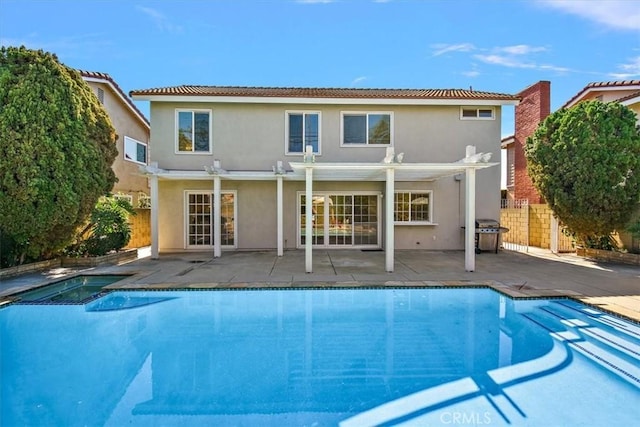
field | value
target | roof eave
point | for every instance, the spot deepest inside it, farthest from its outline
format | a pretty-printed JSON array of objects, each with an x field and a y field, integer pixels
[{"x": 324, "y": 100}]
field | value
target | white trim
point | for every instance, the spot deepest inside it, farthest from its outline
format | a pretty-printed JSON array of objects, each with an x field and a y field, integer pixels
[
  {"x": 631, "y": 101},
  {"x": 287, "y": 113},
  {"x": 477, "y": 115},
  {"x": 124, "y": 196},
  {"x": 320, "y": 101},
  {"x": 185, "y": 222},
  {"x": 366, "y": 114},
  {"x": 327, "y": 193},
  {"x": 135, "y": 141},
  {"x": 389, "y": 232},
  {"x": 409, "y": 222},
  {"x": 153, "y": 185},
  {"x": 613, "y": 88},
  {"x": 122, "y": 98},
  {"x": 177, "y": 129}
]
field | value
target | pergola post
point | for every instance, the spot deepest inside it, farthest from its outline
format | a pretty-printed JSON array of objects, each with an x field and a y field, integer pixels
[
  {"x": 279, "y": 215},
  {"x": 154, "y": 216},
  {"x": 217, "y": 240},
  {"x": 308, "y": 240},
  {"x": 389, "y": 240},
  {"x": 470, "y": 214}
]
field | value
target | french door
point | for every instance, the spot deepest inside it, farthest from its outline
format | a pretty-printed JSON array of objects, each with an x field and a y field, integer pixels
[
  {"x": 199, "y": 219},
  {"x": 341, "y": 219}
]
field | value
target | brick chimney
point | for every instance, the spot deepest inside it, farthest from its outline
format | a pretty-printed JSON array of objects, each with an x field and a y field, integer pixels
[{"x": 534, "y": 107}]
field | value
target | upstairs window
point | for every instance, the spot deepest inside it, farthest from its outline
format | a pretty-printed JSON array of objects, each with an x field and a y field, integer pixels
[
  {"x": 303, "y": 128},
  {"x": 101, "y": 95},
  {"x": 367, "y": 128},
  {"x": 477, "y": 113},
  {"x": 413, "y": 207},
  {"x": 135, "y": 151},
  {"x": 193, "y": 131}
]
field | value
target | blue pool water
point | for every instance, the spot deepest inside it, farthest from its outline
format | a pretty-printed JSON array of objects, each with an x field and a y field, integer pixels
[
  {"x": 414, "y": 357},
  {"x": 74, "y": 290}
]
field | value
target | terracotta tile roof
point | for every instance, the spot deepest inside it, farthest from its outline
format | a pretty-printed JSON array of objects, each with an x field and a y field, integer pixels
[
  {"x": 107, "y": 77},
  {"x": 601, "y": 85},
  {"x": 299, "y": 92},
  {"x": 630, "y": 96}
]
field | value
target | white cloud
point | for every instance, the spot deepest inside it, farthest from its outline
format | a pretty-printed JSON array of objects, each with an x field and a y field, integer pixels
[
  {"x": 617, "y": 14},
  {"x": 441, "y": 49},
  {"x": 505, "y": 61},
  {"x": 521, "y": 49},
  {"x": 513, "y": 56},
  {"x": 628, "y": 70},
  {"x": 358, "y": 80},
  {"x": 161, "y": 21}
]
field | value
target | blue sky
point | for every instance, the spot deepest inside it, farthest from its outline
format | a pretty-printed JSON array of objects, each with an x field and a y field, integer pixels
[{"x": 500, "y": 46}]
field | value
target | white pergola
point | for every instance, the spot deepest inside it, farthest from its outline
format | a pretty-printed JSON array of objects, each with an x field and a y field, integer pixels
[{"x": 389, "y": 170}]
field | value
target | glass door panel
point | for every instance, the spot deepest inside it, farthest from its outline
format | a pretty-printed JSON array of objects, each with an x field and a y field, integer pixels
[
  {"x": 317, "y": 218},
  {"x": 365, "y": 220},
  {"x": 199, "y": 231},
  {"x": 340, "y": 219},
  {"x": 200, "y": 219}
]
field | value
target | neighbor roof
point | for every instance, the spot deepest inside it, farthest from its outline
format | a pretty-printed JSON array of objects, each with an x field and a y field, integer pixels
[
  {"x": 106, "y": 78},
  {"x": 599, "y": 86},
  {"x": 321, "y": 93}
]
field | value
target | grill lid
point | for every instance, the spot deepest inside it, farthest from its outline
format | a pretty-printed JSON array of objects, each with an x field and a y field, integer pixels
[{"x": 487, "y": 223}]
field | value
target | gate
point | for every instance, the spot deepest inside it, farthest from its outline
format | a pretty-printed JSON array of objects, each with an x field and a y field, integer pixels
[
  {"x": 514, "y": 215},
  {"x": 560, "y": 242}
]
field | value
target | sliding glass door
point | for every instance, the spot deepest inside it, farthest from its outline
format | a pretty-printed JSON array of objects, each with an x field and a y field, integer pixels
[{"x": 341, "y": 219}]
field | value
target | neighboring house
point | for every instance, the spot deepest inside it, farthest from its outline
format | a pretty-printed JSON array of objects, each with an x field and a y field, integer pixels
[
  {"x": 534, "y": 108},
  {"x": 133, "y": 130},
  {"x": 302, "y": 168}
]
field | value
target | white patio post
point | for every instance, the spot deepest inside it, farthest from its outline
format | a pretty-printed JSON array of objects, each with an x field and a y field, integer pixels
[
  {"x": 470, "y": 214},
  {"x": 154, "y": 216},
  {"x": 389, "y": 246},
  {"x": 308, "y": 240},
  {"x": 279, "y": 202},
  {"x": 217, "y": 200}
]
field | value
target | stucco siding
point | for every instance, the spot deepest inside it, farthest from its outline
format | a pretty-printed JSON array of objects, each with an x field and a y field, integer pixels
[
  {"x": 256, "y": 212},
  {"x": 252, "y": 137},
  {"x": 130, "y": 181}
]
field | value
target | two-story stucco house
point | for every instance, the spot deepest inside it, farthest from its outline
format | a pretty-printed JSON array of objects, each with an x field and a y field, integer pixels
[
  {"x": 306, "y": 168},
  {"x": 133, "y": 130}
]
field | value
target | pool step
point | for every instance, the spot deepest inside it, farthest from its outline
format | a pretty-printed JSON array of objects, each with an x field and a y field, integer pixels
[{"x": 594, "y": 336}]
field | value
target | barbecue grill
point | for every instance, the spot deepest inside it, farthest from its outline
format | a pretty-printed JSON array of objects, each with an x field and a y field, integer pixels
[{"x": 488, "y": 234}]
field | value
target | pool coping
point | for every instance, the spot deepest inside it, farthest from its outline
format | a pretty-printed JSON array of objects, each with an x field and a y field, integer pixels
[{"x": 514, "y": 291}]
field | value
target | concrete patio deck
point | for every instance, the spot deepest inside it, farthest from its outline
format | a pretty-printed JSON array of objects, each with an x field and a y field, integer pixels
[{"x": 611, "y": 287}]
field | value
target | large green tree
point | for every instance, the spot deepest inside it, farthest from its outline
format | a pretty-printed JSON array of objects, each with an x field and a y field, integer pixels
[
  {"x": 585, "y": 162},
  {"x": 57, "y": 145}
]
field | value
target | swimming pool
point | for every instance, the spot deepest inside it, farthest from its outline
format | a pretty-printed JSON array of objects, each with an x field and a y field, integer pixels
[{"x": 348, "y": 357}]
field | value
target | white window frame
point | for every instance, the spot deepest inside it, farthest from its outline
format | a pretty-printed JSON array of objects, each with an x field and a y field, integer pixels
[
  {"x": 367, "y": 114},
  {"x": 477, "y": 115},
  {"x": 124, "y": 196},
  {"x": 324, "y": 194},
  {"x": 177, "y": 130},
  {"x": 287, "y": 114},
  {"x": 130, "y": 140},
  {"x": 411, "y": 222},
  {"x": 185, "y": 231}
]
